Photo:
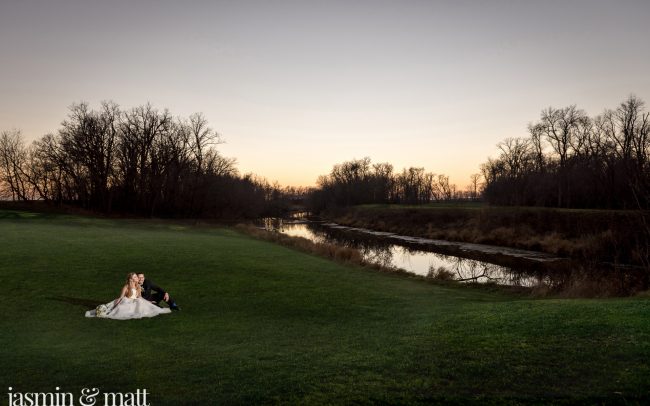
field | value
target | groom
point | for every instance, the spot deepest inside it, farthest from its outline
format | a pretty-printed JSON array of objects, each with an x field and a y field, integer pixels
[{"x": 155, "y": 298}]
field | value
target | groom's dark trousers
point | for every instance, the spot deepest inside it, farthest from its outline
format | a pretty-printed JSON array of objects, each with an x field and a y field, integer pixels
[{"x": 154, "y": 293}]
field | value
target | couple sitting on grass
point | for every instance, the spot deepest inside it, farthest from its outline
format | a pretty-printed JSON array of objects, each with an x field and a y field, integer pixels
[{"x": 136, "y": 301}]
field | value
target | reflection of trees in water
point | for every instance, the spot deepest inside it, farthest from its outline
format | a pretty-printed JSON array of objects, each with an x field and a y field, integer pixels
[
  {"x": 379, "y": 255},
  {"x": 470, "y": 270},
  {"x": 381, "y": 251},
  {"x": 520, "y": 278},
  {"x": 272, "y": 223},
  {"x": 347, "y": 239}
]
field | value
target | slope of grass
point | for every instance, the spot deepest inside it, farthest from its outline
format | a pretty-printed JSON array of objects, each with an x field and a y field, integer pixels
[{"x": 262, "y": 323}]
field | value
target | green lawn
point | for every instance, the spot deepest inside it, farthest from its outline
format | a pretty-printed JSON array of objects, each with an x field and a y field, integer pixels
[{"x": 262, "y": 323}]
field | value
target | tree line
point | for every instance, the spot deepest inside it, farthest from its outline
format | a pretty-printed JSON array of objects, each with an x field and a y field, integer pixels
[
  {"x": 141, "y": 160},
  {"x": 359, "y": 181},
  {"x": 145, "y": 161},
  {"x": 572, "y": 160}
]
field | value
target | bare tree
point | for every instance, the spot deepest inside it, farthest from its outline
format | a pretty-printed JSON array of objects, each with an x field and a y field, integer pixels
[
  {"x": 141, "y": 157},
  {"x": 516, "y": 153},
  {"x": 536, "y": 132},
  {"x": 560, "y": 127},
  {"x": 202, "y": 138},
  {"x": 13, "y": 161},
  {"x": 475, "y": 183},
  {"x": 444, "y": 187},
  {"x": 600, "y": 162},
  {"x": 634, "y": 126},
  {"x": 384, "y": 182}
]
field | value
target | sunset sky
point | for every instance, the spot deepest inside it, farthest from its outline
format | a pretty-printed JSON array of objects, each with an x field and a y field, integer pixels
[{"x": 297, "y": 86}]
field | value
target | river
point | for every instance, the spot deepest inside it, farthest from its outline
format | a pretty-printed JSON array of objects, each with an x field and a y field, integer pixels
[{"x": 466, "y": 262}]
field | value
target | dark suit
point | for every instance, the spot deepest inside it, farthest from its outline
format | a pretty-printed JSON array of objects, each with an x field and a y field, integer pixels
[{"x": 154, "y": 293}]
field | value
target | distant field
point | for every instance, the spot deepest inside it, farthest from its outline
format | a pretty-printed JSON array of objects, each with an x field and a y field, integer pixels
[{"x": 263, "y": 324}]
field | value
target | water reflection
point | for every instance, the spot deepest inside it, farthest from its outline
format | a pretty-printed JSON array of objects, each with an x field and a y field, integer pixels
[
  {"x": 523, "y": 268},
  {"x": 417, "y": 261}
]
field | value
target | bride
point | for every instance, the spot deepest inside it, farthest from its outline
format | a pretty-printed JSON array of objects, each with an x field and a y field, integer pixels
[{"x": 130, "y": 304}]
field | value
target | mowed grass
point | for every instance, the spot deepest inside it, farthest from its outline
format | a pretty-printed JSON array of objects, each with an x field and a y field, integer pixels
[{"x": 262, "y": 324}]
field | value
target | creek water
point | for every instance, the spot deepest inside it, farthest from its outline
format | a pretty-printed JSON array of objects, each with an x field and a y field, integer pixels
[{"x": 465, "y": 262}]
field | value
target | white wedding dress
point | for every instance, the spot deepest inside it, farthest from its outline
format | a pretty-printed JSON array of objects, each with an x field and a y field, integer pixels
[{"x": 130, "y": 307}]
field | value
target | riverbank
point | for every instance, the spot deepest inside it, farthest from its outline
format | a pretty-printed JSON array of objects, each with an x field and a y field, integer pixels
[
  {"x": 352, "y": 256},
  {"x": 476, "y": 265},
  {"x": 588, "y": 235}
]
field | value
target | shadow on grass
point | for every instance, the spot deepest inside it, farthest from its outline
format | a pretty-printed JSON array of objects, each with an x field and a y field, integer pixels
[{"x": 88, "y": 303}]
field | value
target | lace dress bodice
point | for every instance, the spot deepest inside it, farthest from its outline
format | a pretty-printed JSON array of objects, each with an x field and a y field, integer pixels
[{"x": 134, "y": 293}]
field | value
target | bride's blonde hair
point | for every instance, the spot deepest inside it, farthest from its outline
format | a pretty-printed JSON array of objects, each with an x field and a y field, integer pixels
[{"x": 128, "y": 282}]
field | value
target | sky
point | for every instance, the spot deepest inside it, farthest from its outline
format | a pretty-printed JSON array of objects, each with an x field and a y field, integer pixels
[{"x": 294, "y": 87}]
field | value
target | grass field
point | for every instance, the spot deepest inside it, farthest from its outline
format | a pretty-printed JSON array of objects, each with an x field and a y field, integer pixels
[{"x": 262, "y": 323}]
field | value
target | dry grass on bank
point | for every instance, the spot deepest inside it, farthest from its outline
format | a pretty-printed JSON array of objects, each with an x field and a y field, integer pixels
[
  {"x": 606, "y": 236},
  {"x": 330, "y": 251}
]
